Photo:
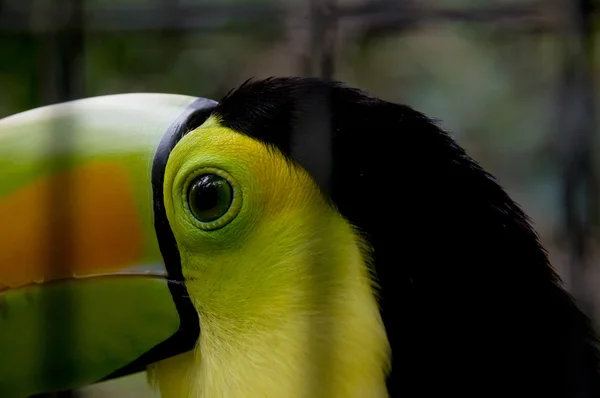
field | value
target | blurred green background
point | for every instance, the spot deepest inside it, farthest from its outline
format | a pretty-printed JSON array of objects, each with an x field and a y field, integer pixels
[{"x": 513, "y": 80}]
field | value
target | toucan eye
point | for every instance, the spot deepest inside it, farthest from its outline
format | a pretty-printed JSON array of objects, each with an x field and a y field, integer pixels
[{"x": 210, "y": 197}]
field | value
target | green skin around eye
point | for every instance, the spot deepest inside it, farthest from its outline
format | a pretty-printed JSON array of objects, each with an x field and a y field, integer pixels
[
  {"x": 226, "y": 198},
  {"x": 210, "y": 197}
]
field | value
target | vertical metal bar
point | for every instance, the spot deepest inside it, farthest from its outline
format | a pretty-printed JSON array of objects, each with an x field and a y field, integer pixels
[
  {"x": 314, "y": 148},
  {"x": 577, "y": 122},
  {"x": 323, "y": 18},
  {"x": 576, "y": 118},
  {"x": 63, "y": 83}
]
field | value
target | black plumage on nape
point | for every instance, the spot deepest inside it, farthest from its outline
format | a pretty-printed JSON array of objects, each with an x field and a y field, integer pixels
[{"x": 469, "y": 300}]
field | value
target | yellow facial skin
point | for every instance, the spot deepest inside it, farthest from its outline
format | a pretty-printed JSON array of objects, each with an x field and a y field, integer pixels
[{"x": 282, "y": 287}]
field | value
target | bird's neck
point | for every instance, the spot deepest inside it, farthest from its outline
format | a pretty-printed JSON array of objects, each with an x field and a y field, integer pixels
[{"x": 324, "y": 338}]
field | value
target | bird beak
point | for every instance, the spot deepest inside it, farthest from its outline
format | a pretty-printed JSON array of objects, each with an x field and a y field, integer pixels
[{"x": 84, "y": 292}]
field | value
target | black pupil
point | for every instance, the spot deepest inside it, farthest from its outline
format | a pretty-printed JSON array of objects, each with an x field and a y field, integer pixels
[
  {"x": 210, "y": 197},
  {"x": 207, "y": 194}
]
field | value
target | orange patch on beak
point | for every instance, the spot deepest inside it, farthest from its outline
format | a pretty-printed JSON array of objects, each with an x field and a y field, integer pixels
[{"x": 104, "y": 232}]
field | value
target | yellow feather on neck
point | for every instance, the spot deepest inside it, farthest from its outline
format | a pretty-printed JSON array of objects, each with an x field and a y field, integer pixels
[{"x": 328, "y": 342}]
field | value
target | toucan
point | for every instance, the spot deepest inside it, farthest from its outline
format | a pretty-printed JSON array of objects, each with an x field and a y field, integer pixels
[{"x": 298, "y": 238}]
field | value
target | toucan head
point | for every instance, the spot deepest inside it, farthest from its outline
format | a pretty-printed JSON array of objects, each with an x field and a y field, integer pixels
[
  {"x": 129, "y": 220},
  {"x": 137, "y": 227}
]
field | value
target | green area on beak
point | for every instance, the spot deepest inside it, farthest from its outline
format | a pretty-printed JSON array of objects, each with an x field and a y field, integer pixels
[{"x": 112, "y": 321}]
